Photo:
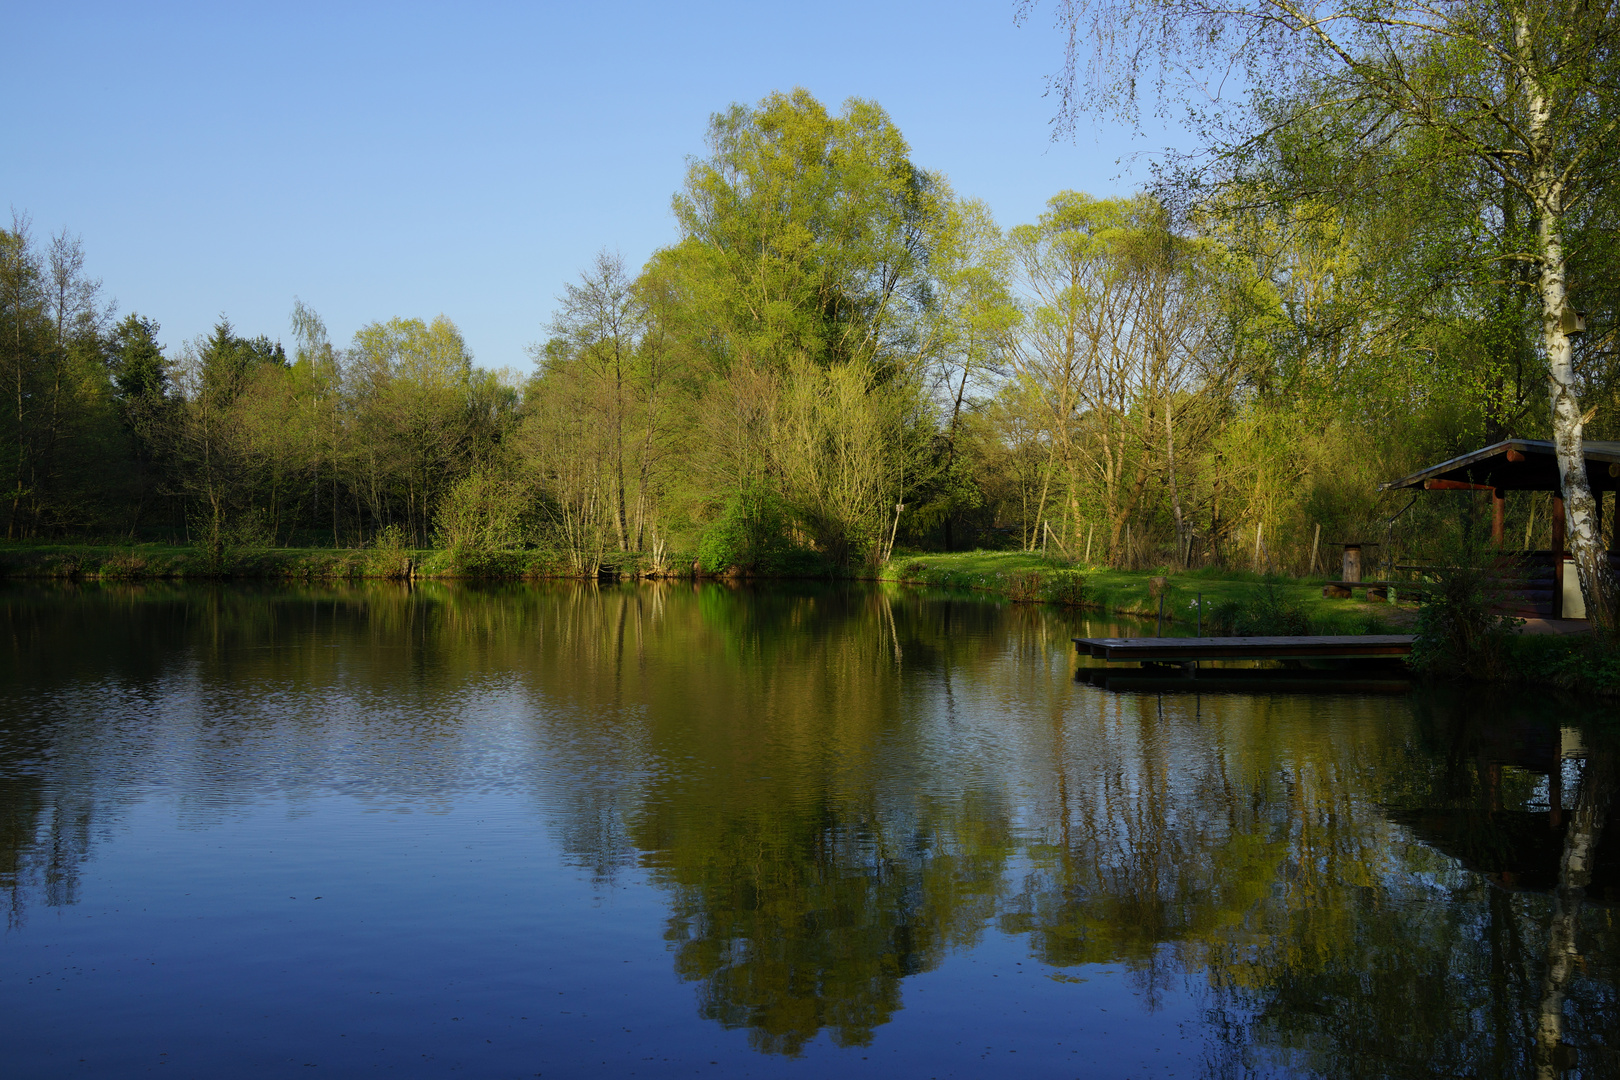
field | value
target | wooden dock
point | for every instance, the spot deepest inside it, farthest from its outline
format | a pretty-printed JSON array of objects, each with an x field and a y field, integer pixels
[
  {"x": 1158, "y": 679},
  {"x": 1181, "y": 650}
]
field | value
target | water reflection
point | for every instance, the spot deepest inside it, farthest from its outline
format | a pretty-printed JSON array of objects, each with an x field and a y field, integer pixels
[{"x": 834, "y": 790}]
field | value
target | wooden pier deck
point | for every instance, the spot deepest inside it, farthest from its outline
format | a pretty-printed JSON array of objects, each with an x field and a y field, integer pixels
[
  {"x": 1163, "y": 650},
  {"x": 1152, "y": 678}
]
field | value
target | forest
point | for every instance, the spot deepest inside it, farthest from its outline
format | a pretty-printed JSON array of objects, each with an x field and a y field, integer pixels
[{"x": 840, "y": 355}]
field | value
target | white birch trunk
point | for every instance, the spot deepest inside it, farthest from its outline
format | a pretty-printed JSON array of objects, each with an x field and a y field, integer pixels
[{"x": 1580, "y": 509}]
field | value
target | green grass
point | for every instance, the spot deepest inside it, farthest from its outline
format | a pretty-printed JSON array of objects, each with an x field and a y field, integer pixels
[
  {"x": 1010, "y": 574},
  {"x": 112, "y": 562},
  {"x": 1126, "y": 592}
]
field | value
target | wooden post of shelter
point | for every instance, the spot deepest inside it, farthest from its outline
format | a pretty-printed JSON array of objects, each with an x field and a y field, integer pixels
[
  {"x": 1558, "y": 555},
  {"x": 1498, "y": 516}
]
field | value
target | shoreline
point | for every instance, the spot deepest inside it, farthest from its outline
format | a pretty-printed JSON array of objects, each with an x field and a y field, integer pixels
[{"x": 1211, "y": 597}]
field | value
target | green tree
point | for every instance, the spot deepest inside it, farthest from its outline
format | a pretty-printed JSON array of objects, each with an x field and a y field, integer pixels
[
  {"x": 411, "y": 393},
  {"x": 138, "y": 369},
  {"x": 970, "y": 323},
  {"x": 60, "y": 436},
  {"x": 140, "y": 376},
  {"x": 596, "y": 332},
  {"x": 803, "y": 269}
]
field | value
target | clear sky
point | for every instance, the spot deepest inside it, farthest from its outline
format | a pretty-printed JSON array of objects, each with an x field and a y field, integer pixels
[{"x": 406, "y": 159}]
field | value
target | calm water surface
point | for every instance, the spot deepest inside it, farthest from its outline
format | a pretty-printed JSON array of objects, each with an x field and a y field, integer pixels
[{"x": 666, "y": 831}]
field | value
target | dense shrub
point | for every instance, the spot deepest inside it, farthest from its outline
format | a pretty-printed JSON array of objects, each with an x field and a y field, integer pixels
[
  {"x": 389, "y": 556},
  {"x": 1023, "y": 587},
  {"x": 1064, "y": 587},
  {"x": 1584, "y": 662},
  {"x": 1458, "y": 634},
  {"x": 483, "y": 513},
  {"x": 751, "y": 535},
  {"x": 1266, "y": 612}
]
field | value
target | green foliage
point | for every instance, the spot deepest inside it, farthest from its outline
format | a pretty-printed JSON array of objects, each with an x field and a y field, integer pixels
[
  {"x": 1586, "y": 663},
  {"x": 1459, "y": 635},
  {"x": 136, "y": 361},
  {"x": 1065, "y": 588},
  {"x": 390, "y": 554},
  {"x": 801, "y": 230},
  {"x": 751, "y": 536},
  {"x": 1263, "y": 612},
  {"x": 1023, "y": 587},
  {"x": 226, "y": 359},
  {"x": 484, "y": 512}
]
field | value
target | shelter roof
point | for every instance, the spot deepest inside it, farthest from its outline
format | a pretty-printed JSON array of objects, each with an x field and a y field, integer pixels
[{"x": 1519, "y": 465}]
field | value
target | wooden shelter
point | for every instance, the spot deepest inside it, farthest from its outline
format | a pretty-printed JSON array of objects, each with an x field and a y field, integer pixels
[{"x": 1525, "y": 465}]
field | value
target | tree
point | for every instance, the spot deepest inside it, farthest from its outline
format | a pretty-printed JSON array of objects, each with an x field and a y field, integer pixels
[
  {"x": 140, "y": 379},
  {"x": 803, "y": 269},
  {"x": 138, "y": 370},
  {"x": 24, "y": 335},
  {"x": 318, "y": 379},
  {"x": 59, "y": 426},
  {"x": 969, "y": 324},
  {"x": 1122, "y": 339},
  {"x": 1522, "y": 91},
  {"x": 596, "y": 331},
  {"x": 411, "y": 385}
]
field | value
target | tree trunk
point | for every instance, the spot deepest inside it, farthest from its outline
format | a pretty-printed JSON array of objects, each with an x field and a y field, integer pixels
[
  {"x": 1591, "y": 562},
  {"x": 618, "y": 453},
  {"x": 1175, "y": 487}
]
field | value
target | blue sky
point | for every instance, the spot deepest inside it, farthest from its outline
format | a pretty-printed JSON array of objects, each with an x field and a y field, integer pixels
[{"x": 402, "y": 159}]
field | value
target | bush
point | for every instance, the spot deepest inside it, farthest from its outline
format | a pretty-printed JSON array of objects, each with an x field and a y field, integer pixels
[
  {"x": 751, "y": 535},
  {"x": 1064, "y": 587},
  {"x": 1263, "y": 613},
  {"x": 1024, "y": 587},
  {"x": 389, "y": 556},
  {"x": 1583, "y": 662},
  {"x": 483, "y": 513},
  {"x": 914, "y": 570},
  {"x": 1457, "y": 633},
  {"x": 124, "y": 564}
]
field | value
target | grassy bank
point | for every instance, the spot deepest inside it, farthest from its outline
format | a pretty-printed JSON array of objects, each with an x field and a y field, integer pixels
[
  {"x": 1010, "y": 574},
  {"x": 1228, "y": 596},
  {"x": 131, "y": 562},
  {"x": 1233, "y": 601},
  {"x": 1583, "y": 663}
]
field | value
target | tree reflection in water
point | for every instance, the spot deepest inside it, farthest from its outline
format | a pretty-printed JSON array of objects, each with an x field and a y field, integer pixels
[{"x": 834, "y": 789}]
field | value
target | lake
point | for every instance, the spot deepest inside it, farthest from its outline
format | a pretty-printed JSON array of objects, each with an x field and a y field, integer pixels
[{"x": 666, "y": 830}]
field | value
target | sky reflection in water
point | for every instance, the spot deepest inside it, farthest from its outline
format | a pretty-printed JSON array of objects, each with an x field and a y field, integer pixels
[{"x": 656, "y": 830}]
